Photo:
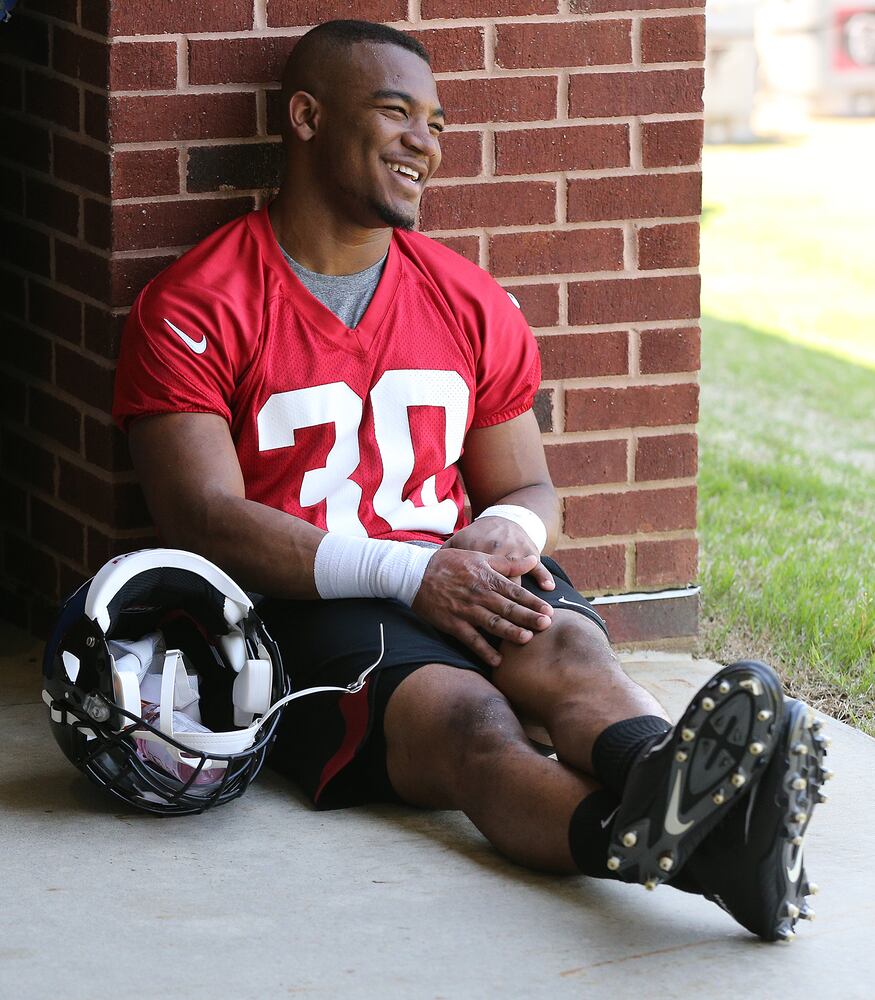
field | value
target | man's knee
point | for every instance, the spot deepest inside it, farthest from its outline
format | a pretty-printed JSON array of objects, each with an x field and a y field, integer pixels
[{"x": 570, "y": 660}]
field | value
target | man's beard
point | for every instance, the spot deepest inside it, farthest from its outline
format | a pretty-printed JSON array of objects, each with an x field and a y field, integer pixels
[{"x": 391, "y": 216}]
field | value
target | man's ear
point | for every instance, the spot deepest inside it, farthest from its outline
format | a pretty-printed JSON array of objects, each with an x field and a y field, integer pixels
[{"x": 304, "y": 113}]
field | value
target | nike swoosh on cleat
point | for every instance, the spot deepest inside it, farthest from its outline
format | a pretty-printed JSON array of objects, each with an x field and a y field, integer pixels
[
  {"x": 604, "y": 822},
  {"x": 198, "y": 346},
  {"x": 673, "y": 823}
]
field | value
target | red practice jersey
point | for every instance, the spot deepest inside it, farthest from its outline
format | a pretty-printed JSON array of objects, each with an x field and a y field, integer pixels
[{"x": 356, "y": 431}]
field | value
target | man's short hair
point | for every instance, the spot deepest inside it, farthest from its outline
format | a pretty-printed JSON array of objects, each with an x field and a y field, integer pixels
[{"x": 348, "y": 32}]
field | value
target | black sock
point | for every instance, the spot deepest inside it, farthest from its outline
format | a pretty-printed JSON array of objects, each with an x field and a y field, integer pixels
[
  {"x": 589, "y": 832},
  {"x": 617, "y": 748}
]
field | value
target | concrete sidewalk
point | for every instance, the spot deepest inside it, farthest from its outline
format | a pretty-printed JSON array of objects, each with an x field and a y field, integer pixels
[{"x": 265, "y": 897}]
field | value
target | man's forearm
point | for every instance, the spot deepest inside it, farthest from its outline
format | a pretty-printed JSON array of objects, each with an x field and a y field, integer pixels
[{"x": 263, "y": 549}]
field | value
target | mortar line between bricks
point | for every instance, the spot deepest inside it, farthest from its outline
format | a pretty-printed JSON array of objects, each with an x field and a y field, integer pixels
[
  {"x": 635, "y": 38},
  {"x": 489, "y": 48},
  {"x": 666, "y": 380},
  {"x": 563, "y": 303},
  {"x": 31, "y": 173},
  {"x": 181, "y": 62},
  {"x": 259, "y": 14},
  {"x": 55, "y": 129},
  {"x": 565, "y": 227},
  {"x": 572, "y": 329},
  {"x": 630, "y": 257},
  {"x": 636, "y": 156},
  {"x": 84, "y": 407},
  {"x": 452, "y": 129},
  {"x": 74, "y": 241},
  {"x": 580, "y": 276},
  {"x": 562, "y": 105},
  {"x": 478, "y": 180},
  {"x": 558, "y": 407},
  {"x": 574, "y": 175},
  {"x": 414, "y": 11},
  {"x": 634, "y": 351},
  {"x": 619, "y": 489},
  {"x": 249, "y": 140},
  {"x": 74, "y": 29},
  {"x": 56, "y": 286},
  {"x": 421, "y": 24},
  {"x": 610, "y": 435}
]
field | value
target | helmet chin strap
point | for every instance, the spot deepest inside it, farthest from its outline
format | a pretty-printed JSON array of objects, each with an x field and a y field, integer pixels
[{"x": 237, "y": 740}]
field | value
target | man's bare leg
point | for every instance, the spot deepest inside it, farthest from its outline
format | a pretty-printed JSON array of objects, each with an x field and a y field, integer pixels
[
  {"x": 454, "y": 742},
  {"x": 568, "y": 679}
]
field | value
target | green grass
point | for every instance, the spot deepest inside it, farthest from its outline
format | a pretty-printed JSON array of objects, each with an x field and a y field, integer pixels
[{"x": 787, "y": 471}]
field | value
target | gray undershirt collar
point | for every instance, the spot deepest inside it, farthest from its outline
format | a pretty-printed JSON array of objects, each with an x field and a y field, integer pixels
[{"x": 346, "y": 295}]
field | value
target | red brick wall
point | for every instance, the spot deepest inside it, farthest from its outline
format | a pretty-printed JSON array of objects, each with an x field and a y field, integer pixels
[{"x": 571, "y": 172}]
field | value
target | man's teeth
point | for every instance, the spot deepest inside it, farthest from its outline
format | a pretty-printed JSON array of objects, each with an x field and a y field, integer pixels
[{"x": 407, "y": 171}]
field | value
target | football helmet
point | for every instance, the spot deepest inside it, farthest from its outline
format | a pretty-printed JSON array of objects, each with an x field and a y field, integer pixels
[{"x": 162, "y": 683}]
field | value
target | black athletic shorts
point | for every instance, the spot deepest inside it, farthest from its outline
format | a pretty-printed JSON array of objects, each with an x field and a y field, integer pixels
[{"x": 332, "y": 743}]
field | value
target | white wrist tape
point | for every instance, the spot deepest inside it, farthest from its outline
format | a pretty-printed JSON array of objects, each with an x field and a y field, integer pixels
[
  {"x": 527, "y": 519},
  {"x": 368, "y": 567}
]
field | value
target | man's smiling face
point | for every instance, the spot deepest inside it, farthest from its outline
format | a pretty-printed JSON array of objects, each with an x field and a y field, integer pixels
[{"x": 377, "y": 144}]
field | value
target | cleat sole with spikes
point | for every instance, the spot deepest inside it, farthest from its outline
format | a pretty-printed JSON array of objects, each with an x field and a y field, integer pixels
[
  {"x": 683, "y": 786},
  {"x": 752, "y": 864}
]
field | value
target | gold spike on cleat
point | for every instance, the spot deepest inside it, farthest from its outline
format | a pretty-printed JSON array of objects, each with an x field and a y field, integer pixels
[
  {"x": 707, "y": 704},
  {"x": 681, "y": 756},
  {"x": 724, "y": 687},
  {"x": 630, "y": 839},
  {"x": 756, "y": 748},
  {"x": 800, "y": 748},
  {"x": 799, "y": 784},
  {"x": 718, "y": 798},
  {"x": 738, "y": 779},
  {"x": 764, "y": 715},
  {"x": 666, "y": 864},
  {"x": 651, "y": 884},
  {"x": 688, "y": 735},
  {"x": 613, "y": 864},
  {"x": 792, "y": 911}
]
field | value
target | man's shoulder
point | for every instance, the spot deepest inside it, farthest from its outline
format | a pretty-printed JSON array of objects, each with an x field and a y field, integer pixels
[
  {"x": 456, "y": 276},
  {"x": 228, "y": 259}
]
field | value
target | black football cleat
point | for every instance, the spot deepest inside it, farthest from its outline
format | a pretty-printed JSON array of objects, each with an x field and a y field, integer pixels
[
  {"x": 751, "y": 865},
  {"x": 679, "y": 789}
]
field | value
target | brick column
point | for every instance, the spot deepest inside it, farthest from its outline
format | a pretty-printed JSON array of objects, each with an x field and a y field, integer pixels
[{"x": 571, "y": 172}]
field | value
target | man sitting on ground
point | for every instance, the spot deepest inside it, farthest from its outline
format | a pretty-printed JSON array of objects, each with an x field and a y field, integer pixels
[{"x": 308, "y": 392}]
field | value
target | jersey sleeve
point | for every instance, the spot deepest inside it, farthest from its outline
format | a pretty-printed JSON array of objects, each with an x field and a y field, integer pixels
[
  {"x": 508, "y": 364},
  {"x": 179, "y": 354}
]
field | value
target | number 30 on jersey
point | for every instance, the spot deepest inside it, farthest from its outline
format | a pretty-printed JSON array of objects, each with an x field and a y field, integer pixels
[{"x": 336, "y": 403}]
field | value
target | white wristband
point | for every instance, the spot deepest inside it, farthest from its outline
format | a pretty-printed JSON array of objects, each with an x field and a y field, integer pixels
[
  {"x": 527, "y": 519},
  {"x": 369, "y": 567}
]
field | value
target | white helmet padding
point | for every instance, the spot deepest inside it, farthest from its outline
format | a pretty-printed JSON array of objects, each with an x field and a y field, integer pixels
[{"x": 117, "y": 574}]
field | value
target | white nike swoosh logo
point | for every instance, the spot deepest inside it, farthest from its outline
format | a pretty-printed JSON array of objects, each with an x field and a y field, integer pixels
[
  {"x": 673, "y": 823},
  {"x": 198, "y": 346},
  {"x": 604, "y": 822},
  {"x": 794, "y": 872}
]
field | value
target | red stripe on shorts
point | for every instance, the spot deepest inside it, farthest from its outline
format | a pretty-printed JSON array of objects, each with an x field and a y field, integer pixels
[{"x": 355, "y": 711}]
